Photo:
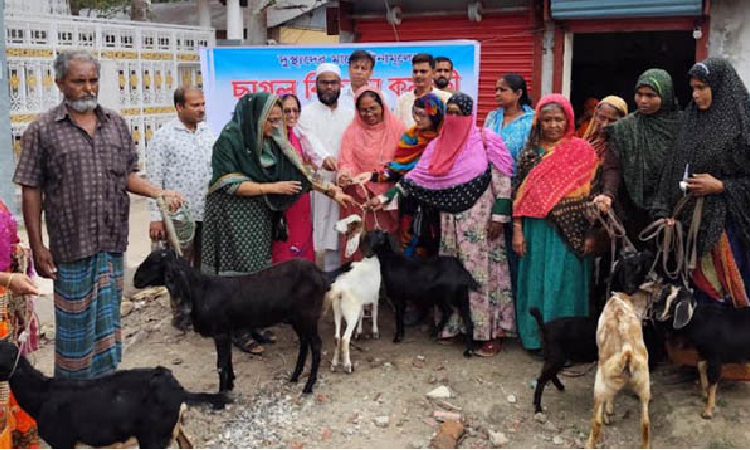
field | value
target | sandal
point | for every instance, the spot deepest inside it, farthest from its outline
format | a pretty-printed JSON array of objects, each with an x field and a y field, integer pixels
[
  {"x": 489, "y": 349},
  {"x": 248, "y": 345},
  {"x": 264, "y": 337}
]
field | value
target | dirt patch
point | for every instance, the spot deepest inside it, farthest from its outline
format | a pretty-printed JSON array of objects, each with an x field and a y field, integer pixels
[{"x": 383, "y": 403}]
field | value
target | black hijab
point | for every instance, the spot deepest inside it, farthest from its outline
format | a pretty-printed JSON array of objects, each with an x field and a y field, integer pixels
[{"x": 716, "y": 142}]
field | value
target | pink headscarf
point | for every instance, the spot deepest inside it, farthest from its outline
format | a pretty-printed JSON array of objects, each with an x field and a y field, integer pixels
[
  {"x": 470, "y": 160},
  {"x": 369, "y": 148}
]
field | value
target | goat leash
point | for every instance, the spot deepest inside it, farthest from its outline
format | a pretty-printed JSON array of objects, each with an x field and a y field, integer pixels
[
  {"x": 364, "y": 210},
  {"x": 169, "y": 225},
  {"x": 614, "y": 228},
  {"x": 672, "y": 234}
]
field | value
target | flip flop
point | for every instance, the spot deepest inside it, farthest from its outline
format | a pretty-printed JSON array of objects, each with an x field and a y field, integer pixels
[
  {"x": 248, "y": 345},
  {"x": 489, "y": 349},
  {"x": 265, "y": 337}
]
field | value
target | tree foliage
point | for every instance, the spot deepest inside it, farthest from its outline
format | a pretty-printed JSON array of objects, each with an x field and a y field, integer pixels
[{"x": 106, "y": 7}]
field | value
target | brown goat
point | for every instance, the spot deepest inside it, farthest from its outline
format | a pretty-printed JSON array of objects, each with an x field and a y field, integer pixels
[{"x": 623, "y": 360}]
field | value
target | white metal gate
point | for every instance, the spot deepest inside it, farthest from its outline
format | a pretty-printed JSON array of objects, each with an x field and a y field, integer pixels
[{"x": 144, "y": 61}]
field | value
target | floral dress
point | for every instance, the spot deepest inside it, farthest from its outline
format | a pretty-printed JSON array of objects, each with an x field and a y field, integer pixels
[{"x": 464, "y": 236}]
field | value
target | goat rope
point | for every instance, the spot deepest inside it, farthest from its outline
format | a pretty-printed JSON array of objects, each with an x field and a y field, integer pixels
[
  {"x": 364, "y": 210},
  {"x": 614, "y": 228},
  {"x": 671, "y": 231},
  {"x": 179, "y": 225}
]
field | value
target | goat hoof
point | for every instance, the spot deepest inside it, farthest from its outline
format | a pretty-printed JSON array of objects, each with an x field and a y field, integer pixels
[
  {"x": 561, "y": 388},
  {"x": 397, "y": 339},
  {"x": 348, "y": 369},
  {"x": 294, "y": 379},
  {"x": 707, "y": 416},
  {"x": 468, "y": 353},
  {"x": 307, "y": 391}
]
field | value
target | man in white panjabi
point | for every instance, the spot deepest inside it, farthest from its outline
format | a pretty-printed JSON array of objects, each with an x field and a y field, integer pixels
[{"x": 326, "y": 119}]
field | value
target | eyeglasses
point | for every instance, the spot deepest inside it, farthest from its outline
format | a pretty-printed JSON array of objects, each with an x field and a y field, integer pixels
[
  {"x": 291, "y": 111},
  {"x": 274, "y": 120},
  {"x": 370, "y": 111}
]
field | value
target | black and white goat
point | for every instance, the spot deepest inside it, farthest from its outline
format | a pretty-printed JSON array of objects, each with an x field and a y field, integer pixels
[
  {"x": 719, "y": 334},
  {"x": 573, "y": 339},
  {"x": 442, "y": 281},
  {"x": 145, "y": 404},
  {"x": 291, "y": 292}
]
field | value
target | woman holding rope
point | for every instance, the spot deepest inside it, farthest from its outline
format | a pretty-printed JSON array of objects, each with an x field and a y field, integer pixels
[
  {"x": 257, "y": 175},
  {"x": 465, "y": 174},
  {"x": 637, "y": 149},
  {"x": 713, "y": 151},
  {"x": 550, "y": 224},
  {"x": 368, "y": 145}
]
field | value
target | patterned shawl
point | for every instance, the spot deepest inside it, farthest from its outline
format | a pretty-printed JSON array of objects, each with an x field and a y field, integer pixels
[
  {"x": 556, "y": 183},
  {"x": 414, "y": 141},
  {"x": 642, "y": 140},
  {"x": 596, "y": 134},
  {"x": 242, "y": 153},
  {"x": 716, "y": 142}
]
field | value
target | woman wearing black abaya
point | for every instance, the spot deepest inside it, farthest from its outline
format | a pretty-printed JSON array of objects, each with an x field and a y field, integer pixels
[{"x": 714, "y": 145}]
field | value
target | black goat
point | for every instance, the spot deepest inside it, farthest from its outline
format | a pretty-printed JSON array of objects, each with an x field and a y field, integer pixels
[
  {"x": 565, "y": 339},
  {"x": 719, "y": 334},
  {"x": 442, "y": 281},
  {"x": 574, "y": 338},
  {"x": 291, "y": 292},
  {"x": 144, "y": 404}
]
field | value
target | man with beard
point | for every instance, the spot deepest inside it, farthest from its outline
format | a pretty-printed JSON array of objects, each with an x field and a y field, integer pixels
[
  {"x": 78, "y": 163},
  {"x": 443, "y": 73},
  {"x": 361, "y": 65},
  {"x": 179, "y": 158},
  {"x": 423, "y": 68},
  {"x": 326, "y": 119}
]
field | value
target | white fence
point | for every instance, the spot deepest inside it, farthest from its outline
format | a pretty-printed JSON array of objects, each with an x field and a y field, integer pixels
[{"x": 142, "y": 64}]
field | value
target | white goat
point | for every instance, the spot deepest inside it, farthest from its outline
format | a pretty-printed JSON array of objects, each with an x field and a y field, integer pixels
[{"x": 348, "y": 295}]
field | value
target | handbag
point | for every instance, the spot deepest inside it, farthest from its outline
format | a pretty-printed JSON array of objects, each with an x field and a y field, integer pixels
[{"x": 279, "y": 230}]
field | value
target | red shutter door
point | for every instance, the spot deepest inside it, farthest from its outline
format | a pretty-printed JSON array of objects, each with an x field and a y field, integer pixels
[{"x": 507, "y": 44}]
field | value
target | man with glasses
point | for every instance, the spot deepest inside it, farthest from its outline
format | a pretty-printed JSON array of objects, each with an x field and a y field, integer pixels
[{"x": 325, "y": 120}]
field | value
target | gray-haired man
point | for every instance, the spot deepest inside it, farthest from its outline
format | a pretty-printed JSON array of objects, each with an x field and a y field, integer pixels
[{"x": 78, "y": 164}]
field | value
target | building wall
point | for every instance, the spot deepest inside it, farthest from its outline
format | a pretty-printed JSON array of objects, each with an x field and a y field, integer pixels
[
  {"x": 300, "y": 36},
  {"x": 730, "y": 34},
  {"x": 7, "y": 160}
]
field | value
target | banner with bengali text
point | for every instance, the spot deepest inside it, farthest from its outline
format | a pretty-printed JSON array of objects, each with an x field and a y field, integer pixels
[{"x": 231, "y": 72}]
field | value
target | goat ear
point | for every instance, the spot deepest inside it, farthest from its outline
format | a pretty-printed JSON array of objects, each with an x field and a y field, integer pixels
[{"x": 683, "y": 313}]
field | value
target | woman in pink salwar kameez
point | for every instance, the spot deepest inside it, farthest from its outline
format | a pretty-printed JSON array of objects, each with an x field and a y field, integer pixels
[{"x": 299, "y": 243}]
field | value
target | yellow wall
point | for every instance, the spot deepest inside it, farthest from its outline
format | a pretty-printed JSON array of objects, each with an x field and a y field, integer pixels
[{"x": 301, "y": 36}]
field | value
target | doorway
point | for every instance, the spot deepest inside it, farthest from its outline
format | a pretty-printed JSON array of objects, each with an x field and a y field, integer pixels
[{"x": 605, "y": 64}]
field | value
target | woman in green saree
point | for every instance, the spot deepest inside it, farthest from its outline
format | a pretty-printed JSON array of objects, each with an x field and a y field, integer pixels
[
  {"x": 257, "y": 175},
  {"x": 550, "y": 227}
]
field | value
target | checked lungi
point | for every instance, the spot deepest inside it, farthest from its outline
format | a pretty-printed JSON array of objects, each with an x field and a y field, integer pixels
[{"x": 87, "y": 313}]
